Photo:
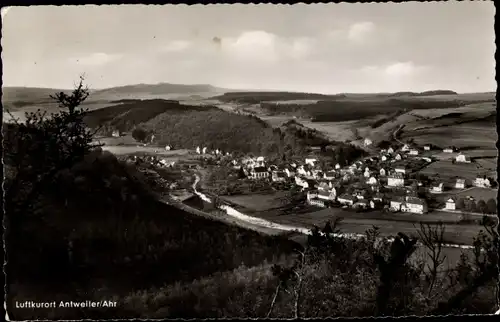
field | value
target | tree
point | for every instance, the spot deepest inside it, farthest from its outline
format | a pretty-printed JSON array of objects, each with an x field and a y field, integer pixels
[
  {"x": 491, "y": 205},
  {"x": 432, "y": 237},
  {"x": 139, "y": 134},
  {"x": 472, "y": 207},
  {"x": 38, "y": 151},
  {"x": 461, "y": 204},
  {"x": 482, "y": 207}
]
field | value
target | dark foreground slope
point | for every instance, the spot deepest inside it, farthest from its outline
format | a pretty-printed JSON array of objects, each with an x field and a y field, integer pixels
[{"x": 101, "y": 228}]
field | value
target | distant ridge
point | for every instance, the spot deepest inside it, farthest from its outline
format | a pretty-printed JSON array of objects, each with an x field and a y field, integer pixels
[{"x": 160, "y": 88}]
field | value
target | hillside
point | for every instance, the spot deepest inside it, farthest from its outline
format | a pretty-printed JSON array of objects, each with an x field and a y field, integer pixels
[{"x": 188, "y": 126}]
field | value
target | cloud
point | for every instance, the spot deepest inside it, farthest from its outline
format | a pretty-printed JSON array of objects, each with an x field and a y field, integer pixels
[
  {"x": 253, "y": 46},
  {"x": 301, "y": 48},
  {"x": 403, "y": 69},
  {"x": 360, "y": 31},
  {"x": 176, "y": 46},
  {"x": 96, "y": 59}
]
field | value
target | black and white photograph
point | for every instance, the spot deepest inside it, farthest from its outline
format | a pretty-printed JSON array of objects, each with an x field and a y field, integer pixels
[{"x": 250, "y": 161}]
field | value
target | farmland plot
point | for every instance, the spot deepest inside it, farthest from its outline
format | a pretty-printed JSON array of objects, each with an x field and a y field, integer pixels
[
  {"x": 257, "y": 202},
  {"x": 479, "y": 193},
  {"x": 447, "y": 169}
]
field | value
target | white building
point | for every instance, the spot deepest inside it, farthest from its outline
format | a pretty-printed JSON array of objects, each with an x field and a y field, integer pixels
[
  {"x": 289, "y": 173},
  {"x": 367, "y": 174},
  {"x": 405, "y": 148},
  {"x": 278, "y": 176},
  {"x": 372, "y": 181},
  {"x": 413, "y": 152},
  {"x": 115, "y": 134},
  {"x": 463, "y": 158},
  {"x": 398, "y": 157},
  {"x": 168, "y": 148},
  {"x": 438, "y": 188},
  {"x": 198, "y": 150},
  {"x": 396, "y": 180},
  {"x": 460, "y": 184},
  {"x": 382, "y": 172},
  {"x": 427, "y": 147},
  {"x": 317, "y": 202},
  {"x": 400, "y": 169},
  {"x": 259, "y": 173},
  {"x": 390, "y": 150},
  {"x": 329, "y": 175},
  {"x": 450, "y": 204},
  {"x": 204, "y": 150},
  {"x": 346, "y": 200},
  {"x": 482, "y": 183},
  {"x": 368, "y": 142},
  {"x": 409, "y": 204},
  {"x": 384, "y": 157},
  {"x": 311, "y": 161},
  {"x": 260, "y": 162},
  {"x": 337, "y": 166},
  {"x": 448, "y": 150}
]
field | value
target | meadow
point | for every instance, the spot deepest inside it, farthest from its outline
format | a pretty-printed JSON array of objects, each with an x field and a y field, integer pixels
[
  {"x": 257, "y": 202},
  {"x": 479, "y": 193},
  {"x": 447, "y": 169}
]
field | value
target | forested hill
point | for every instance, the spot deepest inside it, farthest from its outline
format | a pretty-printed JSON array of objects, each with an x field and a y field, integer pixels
[{"x": 186, "y": 126}]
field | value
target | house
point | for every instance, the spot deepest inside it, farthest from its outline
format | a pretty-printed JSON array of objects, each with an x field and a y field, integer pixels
[
  {"x": 368, "y": 142},
  {"x": 337, "y": 166},
  {"x": 382, "y": 172},
  {"x": 366, "y": 174},
  {"x": 427, "y": 159},
  {"x": 329, "y": 175},
  {"x": 311, "y": 161},
  {"x": 361, "y": 204},
  {"x": 463, "y": 158},
  {"x": 260, "y": 162},
  {"x": 438, "y": 188},
  {"x": 360, "y": 194},
  {"x": 372, "y": 181},
  {"x": 413, "y": 152},
  {"x": 482, "y": 182},
  {"x": 289, "y": 173},
  {"x": 384, "y": 157},
  {"x": 204, "y": 150},
  {"x": 301, "y": 182},
  {"x": 278, "y": 176},
  {"x": 301, "y": 171},
  {"x": 396, "y": 203},
  {"x": 346, "y": 177},
  {"x": 460, "y": 184},
  {"x": 390, "y": 150},
  {"x": 198, "y": 150},
  {"x": 427, "y": 147},
  {"x": 405, "y": 148},
  {"x": 115, "y": 134},
  {"x": 168, "y": 148},
  {"x": 376, "y": 204},
  {"x": 396, "y": 180},
  {"x": 272, "y": 167},
  {"x": 346, "y": 199},
  {"x": 327, "y": 195},
  {"x": 448, "y": 150},
  {"x": 398, "y": 157},
  {"x": 317, "y": 202},
  {"x": 450, "y": 204},
  {"x": 378, "y": 197},
  {"x": 259, "y": 173},
  {"x": 400, "y": 169},
  {"x": 312, "y": 194},
  {"x": 409, "y": 204},
  {"x": 415, "y": 205},
  {"x": 325, "y": 186}
]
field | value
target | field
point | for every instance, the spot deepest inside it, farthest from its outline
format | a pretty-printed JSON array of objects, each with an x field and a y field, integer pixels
[
  {"x": 479, "y": 193},
  {"x": 447, "y": 169},
  {"x": 123, "y": 150},
  {"x": 257, "y": 202}
]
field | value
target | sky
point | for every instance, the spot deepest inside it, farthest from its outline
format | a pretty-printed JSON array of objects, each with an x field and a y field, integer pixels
[{"x": 322, "y": 48}]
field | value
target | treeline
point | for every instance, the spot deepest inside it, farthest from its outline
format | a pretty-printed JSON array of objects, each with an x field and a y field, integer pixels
[
  {"x": 336, "y": 110},
  {"x": 344, "y": 153},
  {"x": 259, "y": 97},
  {"x": 124, "y": 117}
]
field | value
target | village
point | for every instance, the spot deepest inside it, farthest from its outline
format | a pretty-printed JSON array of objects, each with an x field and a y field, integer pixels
[{"x": 393, "y": 179}]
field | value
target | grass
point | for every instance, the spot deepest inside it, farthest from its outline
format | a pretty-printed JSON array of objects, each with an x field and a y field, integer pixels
[
  {"x": 447, "y": 169},
  {"x": 479, "y": 193},
  {"x": 257, "y": 202},
  {"x": 122, "y": 150}
]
